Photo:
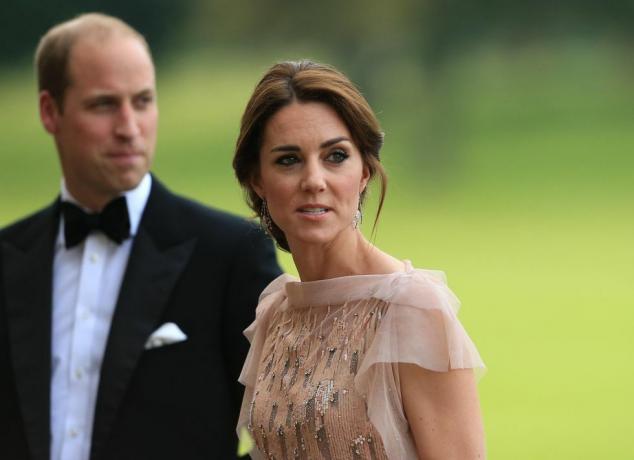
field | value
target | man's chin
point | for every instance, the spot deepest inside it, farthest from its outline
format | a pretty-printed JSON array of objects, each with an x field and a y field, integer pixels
[{"x": 130, "y": 181}]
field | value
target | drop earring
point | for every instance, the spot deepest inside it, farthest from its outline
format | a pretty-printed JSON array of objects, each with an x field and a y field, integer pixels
[
  {"x": 265, "y": 219},
  {"x": 357, "y": 218}
]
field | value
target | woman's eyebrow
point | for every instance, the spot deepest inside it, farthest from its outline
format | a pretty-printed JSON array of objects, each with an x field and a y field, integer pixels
[
  {"x": 285, "y": 148},
  {"x": 330, "y": 142},
  {"x": 323, "y": 145}
]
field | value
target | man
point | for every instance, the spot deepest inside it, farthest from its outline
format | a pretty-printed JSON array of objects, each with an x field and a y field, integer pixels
[{"x": 120, "y": 332}]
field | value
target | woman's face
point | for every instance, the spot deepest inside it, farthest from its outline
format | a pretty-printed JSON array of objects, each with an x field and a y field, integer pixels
[{"x": 311, "y": 173}]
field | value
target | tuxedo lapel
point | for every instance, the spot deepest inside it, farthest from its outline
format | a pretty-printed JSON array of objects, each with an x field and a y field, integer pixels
[
  {"x": 28, "y": 275},
  {"x": 150, "y": 277}
]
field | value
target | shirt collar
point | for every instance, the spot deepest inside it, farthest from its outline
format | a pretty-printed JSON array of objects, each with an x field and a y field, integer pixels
[{"x": 136, "y": 200}]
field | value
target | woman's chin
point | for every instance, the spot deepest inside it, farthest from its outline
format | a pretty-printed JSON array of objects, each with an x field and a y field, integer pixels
[{"x": 317, "y": 237}]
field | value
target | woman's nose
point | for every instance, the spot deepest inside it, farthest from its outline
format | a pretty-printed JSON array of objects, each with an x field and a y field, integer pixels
[{"x": 313, "y": 179}]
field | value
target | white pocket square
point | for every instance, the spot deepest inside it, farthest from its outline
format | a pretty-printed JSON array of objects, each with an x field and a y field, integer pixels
[{"x": 167, "y": 334}]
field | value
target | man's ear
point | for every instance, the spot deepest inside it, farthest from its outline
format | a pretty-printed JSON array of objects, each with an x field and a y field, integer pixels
[{"x": 49, "y": 112}]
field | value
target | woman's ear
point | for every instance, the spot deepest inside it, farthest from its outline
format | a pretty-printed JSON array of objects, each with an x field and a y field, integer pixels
[
  {"x": 365, "y": 177},
  {"x": 255, "y": 183}
]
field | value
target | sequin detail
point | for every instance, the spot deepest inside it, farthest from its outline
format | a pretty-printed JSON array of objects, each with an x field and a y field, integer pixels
[
  {"x": 289, "y": 415},
  {"x": 306, "y": 406},
  {"x": 281, "y": 435},
  {"x": 354, "y": 362},
  {"x": 322, "y": 443},
  {"x": 331, "y": 354}
]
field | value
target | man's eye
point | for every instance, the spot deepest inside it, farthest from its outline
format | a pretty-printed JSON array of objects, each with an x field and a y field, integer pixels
[
  {"x": 287, "y": 160},
  {"x": 338, "y": 156},
  {"x": 143, "y": 101},
  {"x": 102, "y": 104}
]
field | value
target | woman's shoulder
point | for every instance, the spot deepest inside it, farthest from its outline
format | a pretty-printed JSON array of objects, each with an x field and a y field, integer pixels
[
  {"x": 419, "y": 288},
  {"x": 270, "y": 298},
  {"x": 277, "y": 285},
  {"x": 420, "y": 325},
  {"x": 274, "y": 293}
]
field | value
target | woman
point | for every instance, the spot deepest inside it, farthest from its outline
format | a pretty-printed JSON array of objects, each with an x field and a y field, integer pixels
[{"x": 364, "y": 357}]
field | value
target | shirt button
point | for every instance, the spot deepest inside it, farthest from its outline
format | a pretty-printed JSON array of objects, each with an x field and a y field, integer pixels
[
  {"x": 94, "y": 258},
  {"x": 79, "y": 374},
  {"x": 73, "y": 433}
]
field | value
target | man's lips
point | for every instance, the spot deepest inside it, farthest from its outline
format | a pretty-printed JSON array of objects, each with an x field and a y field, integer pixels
[
  {"x": 124, "y": 154},
  {"x": 125, "y": 158}
]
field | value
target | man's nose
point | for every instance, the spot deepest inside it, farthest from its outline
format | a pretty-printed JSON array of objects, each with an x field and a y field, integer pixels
[{"x": 127, "y": 123}]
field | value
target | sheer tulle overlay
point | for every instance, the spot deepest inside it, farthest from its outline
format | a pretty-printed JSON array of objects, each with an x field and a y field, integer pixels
[{"x": 321, "y": 376}]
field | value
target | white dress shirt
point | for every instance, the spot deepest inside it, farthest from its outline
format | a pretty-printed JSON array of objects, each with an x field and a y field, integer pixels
[{"x": 86, "y": 282}]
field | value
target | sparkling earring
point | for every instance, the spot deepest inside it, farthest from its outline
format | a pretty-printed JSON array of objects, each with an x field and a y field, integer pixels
[
  {"x": 265, "y": 218},
  {"x": 357, "y": 218}
]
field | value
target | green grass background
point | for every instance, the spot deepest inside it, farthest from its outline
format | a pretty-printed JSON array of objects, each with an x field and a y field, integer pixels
[{"x": 511, "y": 171}]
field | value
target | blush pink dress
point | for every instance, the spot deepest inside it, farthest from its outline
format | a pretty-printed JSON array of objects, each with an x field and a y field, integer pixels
[{"x": 321, "y": 376}]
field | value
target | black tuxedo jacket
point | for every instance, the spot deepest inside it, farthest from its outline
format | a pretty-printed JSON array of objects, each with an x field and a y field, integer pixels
[{"x": 199, "y": 268}]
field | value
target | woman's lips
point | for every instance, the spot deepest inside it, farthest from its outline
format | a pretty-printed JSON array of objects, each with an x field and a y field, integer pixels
[{"x": 313, "y": 211}]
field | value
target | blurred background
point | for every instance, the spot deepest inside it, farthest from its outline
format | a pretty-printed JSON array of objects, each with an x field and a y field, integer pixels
[{"x": 510, "y": 149}]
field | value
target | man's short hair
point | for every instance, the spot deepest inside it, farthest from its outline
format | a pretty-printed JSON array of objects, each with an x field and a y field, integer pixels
[{"x": 53, "y": 51}]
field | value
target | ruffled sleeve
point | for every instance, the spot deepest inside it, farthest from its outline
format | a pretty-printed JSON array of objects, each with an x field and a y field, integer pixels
[
  {"x": 420, "y": 327},
  {"x": 270, "y": 299}
]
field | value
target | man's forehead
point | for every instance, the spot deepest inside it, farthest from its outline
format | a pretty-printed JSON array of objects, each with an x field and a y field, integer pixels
[
  {"x": 100, "y": 38},
  {"x": 93, "y": 58}
]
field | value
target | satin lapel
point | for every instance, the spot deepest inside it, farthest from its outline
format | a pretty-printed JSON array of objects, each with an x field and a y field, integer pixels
[
  {"x": 28, "y": 278},
  {"x": 146, "y": 288}
]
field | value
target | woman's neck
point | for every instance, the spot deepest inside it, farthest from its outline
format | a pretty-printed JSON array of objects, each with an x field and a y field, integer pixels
[{"x": 353, "y": 255}]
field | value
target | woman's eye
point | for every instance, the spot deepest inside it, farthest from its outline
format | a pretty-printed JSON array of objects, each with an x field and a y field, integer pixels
[
  {"x": 338, "y": 156},
  {"x": 287, "y": 160}
]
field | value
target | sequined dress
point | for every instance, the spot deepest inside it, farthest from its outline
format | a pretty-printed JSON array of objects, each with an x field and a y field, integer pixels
[{"x": 321, "y": 375}]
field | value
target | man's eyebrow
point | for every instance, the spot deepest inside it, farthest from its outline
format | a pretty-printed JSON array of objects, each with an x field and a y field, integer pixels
[
  {"x": 146, "y": 92},
  {"x": 100, "y": 97}
]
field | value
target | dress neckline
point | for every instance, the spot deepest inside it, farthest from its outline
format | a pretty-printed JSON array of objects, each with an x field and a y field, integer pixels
[{"x": 336, "y": 291}]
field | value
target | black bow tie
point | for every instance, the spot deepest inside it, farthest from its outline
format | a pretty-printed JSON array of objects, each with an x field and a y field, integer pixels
[{"x": 113, "y": 221}]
